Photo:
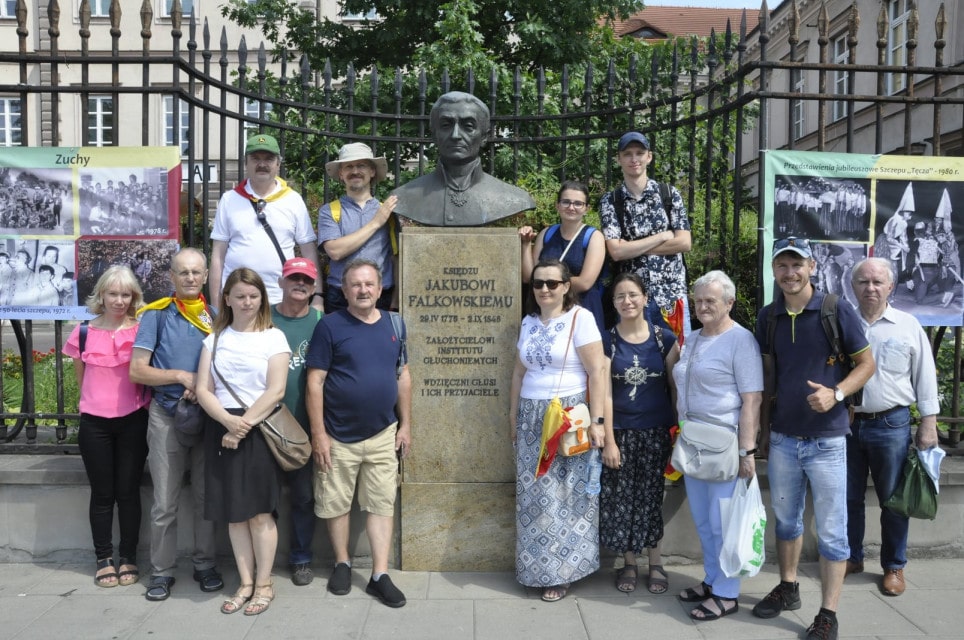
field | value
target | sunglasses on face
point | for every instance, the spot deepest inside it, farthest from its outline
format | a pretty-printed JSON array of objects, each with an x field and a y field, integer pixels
[
  {"x": 552, "y": 284},
  {"x": 783, "y": 243}
]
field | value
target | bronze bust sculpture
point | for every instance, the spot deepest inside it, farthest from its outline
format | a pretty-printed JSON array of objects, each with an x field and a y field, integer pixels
[{"x": 458, "y": 193}]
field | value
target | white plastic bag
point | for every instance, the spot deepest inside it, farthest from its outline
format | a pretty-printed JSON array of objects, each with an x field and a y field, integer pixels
[{"x": 744, "y": 524}]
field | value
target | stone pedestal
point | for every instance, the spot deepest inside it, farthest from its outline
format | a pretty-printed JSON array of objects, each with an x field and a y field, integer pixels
[{"x": 460, "y": 297}]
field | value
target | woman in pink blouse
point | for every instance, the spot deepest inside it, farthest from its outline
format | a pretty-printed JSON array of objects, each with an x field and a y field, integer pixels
[{"x": 113, "y": 421}]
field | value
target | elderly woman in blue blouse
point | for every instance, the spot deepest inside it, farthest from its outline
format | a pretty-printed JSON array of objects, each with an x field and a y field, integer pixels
[
  {"x": 719, "y": 378},
  {"x": 560, "y": 355}
]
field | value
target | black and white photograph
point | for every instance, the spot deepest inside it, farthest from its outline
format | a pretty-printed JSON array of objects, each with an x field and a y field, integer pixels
[
  {"x": 821, "y": 208},
  {"x": 37, "y": 273},
  {"x": 916, "y": 231},
  {"x": 835, "y": 267},
  {"x": 150, "y": 260},
  {"x": 123, "y": 202},
  {"x": 36, "y": 202}
]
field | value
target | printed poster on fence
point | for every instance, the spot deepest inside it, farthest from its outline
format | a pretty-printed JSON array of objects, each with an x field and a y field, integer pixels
[
  {"x": 69, "y": 213},
  {"x": 906, "y": 209}
]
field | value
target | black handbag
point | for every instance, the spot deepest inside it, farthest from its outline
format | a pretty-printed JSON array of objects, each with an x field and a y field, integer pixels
[
  {"x": 188, "y": 422},
  {"x": 286, "y": 438}
]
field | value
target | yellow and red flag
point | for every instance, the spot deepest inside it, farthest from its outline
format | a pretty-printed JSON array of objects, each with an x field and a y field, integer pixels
[{"x": 554, "y": 424}]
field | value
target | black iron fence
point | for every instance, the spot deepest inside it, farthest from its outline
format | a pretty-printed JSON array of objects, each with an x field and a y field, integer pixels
[{"x": 710, "y": 105}]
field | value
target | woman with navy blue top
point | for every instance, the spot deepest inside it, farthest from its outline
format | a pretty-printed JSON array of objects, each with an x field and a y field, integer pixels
[
  {"x": 638, "y": 442},
  {"x": 573, "y": 242}
]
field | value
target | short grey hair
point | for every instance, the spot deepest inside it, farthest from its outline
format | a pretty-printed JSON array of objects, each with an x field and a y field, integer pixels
[
  {"x": 717, "y": 276},
  {"x": 884, "y": 263}
]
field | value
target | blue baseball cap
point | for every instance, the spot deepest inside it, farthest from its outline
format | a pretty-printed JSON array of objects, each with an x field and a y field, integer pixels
[{"x": 630, "y": 137}]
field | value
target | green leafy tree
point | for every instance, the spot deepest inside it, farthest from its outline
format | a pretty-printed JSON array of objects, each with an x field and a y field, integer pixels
[{"x": 528, "y": 33}]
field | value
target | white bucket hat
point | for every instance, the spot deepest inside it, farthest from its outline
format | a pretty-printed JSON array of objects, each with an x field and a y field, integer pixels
[{"x": 357, "y": 151}]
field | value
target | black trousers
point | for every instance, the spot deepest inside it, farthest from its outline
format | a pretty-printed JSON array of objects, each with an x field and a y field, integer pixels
[{"x": 114, "y": 451}]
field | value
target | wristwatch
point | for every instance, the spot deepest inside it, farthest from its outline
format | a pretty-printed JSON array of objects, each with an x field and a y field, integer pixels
[
  {"x": 838, "y": 394},
  {"x": 599, "y": 420},
  {"x": 747, "y": 452}
]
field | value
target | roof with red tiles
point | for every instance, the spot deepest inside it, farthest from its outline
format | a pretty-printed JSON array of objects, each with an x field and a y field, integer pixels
[{"x": 659, "y": 23}]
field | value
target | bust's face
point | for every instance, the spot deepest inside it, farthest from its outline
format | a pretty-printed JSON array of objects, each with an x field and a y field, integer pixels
[{"x": 458, "y": 134}]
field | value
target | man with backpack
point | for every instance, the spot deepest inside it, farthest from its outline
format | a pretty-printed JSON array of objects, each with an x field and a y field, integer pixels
[
  {"x": 808, "y": 426},
  {"x": 647, "y": 230},
  {"x": 358, "y": 226}
]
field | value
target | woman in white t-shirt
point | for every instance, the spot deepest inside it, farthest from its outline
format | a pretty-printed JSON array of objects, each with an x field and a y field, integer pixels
[
  {"x": 245, "y": 356},
  {"x": 560, "y": 355}
]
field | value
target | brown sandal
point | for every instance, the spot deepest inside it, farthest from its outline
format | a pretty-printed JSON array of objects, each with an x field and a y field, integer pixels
[
  {"x": 238, "y": 600},
  {"x": 107, "y": 579},
  {"x": 658, "y": 585},
  {"x": 626, "y": 578},
  {"x": 260, "y": 602},
  {"x": 128, "y": 573}
]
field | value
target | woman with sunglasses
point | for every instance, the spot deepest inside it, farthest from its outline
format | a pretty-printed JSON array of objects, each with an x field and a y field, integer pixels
[
  {"x": 572, "y": 241},
  {"x": 560, "y": 355},
  {"x": 639, "y": 444}
]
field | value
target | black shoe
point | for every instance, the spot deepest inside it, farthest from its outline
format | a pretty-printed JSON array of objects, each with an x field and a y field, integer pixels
[
  {"x": 782, "y": 598},
  {"x": 301, "y": 574},
  {"x": 159, "y": 588},
  {"x": 210, "y": 579},
  {"x": 823, "y": 628},
  {"x": 340, "y": 581},
  {"x": 385, "y": 591}
]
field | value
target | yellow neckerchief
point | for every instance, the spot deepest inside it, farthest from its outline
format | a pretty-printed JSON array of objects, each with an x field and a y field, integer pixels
[
  {"x": 277, "y": 195},
  {"x": 194, "y": 311}
]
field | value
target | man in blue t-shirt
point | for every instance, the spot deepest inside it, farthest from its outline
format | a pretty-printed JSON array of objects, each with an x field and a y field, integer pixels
[
  {"x": 808, "y": 430},
  {"x": 166, "y": 353},
  {"x": 297, "y": 320},
  {"x": 358, "y": 382}
]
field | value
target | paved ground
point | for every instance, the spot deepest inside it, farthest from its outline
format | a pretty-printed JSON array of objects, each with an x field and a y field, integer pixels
[{"x": 60, "y": 601}]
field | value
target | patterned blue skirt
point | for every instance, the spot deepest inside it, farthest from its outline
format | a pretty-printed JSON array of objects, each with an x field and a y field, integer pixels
[{"x": 557, "y": 522}]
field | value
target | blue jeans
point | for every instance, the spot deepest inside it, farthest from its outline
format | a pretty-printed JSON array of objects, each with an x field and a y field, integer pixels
[
  {"x": 302, "y": 493},
  {"x": 879, "y": 446},
  {"x": 704, "y": 498},
  {"x": 821, "y": 462}
]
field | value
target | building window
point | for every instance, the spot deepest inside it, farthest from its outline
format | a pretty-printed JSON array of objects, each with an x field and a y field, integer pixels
[
  {"x": 8, "y": 8},
  {"x": 10, "y": 132},
  {"x": 177, "y": 131},
  {"x": 799, "y": 114},
  {"x": 371, "y": 14},
  {"x": 99, "y": 8},
  {"x": 252, "y": 109},
  {"x": 898, "y": 11},
  {"x": 100, "y": 121},
  {"x": 841, "y": 79},
  {"x": 186, "y": 7}
]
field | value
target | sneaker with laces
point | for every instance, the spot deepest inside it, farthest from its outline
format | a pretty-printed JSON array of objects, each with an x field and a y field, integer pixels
[
  {"x": 823, "y": 628},
  {"x": 782, "y": 598},
  {"x": 301, "y": 574}
]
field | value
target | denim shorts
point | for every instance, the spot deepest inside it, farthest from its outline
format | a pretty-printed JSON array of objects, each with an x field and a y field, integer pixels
[{"x": 821, "y": 462}]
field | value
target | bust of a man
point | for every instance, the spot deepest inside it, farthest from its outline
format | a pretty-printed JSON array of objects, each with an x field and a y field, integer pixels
[{"x": 458, "y": 193}]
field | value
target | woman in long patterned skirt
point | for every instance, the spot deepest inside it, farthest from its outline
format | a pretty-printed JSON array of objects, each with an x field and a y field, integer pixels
[{"x": 560, "y": 355}]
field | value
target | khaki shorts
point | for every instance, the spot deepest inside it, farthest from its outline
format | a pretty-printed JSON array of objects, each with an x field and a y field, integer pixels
[{"x": 371, "y": 464}]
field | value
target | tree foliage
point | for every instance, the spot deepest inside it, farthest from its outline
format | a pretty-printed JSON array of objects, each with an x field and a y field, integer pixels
[{"x": 527, "y": 33}]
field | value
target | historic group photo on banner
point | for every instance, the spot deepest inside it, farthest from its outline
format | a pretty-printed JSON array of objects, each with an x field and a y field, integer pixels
[
  {"x": 67, "y": 214},
  {"x": 852, "y": 206}
]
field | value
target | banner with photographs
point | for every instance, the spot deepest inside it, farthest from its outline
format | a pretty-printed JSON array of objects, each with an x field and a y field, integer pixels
[
  {"x": 907, "y": 209},
  {"x": 67, "y": 214}
]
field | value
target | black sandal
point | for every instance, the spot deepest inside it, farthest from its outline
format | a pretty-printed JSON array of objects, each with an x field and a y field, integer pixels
[
  {"x": 626, "y": 578},
  {"x": 106, "y": 580},
  {"x": 690, "y": 594},
  {"x": 713, "y": 615},
  {"x": 127, "y": 577},
  {"x": 658, "y": 585}
]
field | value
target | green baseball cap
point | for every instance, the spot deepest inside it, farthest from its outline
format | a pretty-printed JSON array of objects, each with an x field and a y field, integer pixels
[{"x": 262, "y": 142}]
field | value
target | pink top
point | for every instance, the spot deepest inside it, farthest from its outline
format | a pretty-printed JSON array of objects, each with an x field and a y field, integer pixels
[{"x": 107, "y": 390}]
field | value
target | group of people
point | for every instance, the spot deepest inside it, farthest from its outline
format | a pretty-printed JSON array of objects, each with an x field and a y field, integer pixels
[
  {"x": 266, "y": 341},
  {"x": 129, "y": 207},
  {"x": 255, "y": 347},
  {"x": 31, "y": 202},
  {"x": 50, "y": 285}
]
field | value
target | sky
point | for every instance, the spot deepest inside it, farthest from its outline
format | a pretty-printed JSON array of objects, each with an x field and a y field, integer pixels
[{"x": 716, "y": 4}]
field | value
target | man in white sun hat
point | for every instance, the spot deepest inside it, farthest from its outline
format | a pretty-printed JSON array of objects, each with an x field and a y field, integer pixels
[{"x": 357, "y": 225}]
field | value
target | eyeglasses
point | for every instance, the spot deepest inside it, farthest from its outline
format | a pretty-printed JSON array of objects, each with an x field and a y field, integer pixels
[
  {"x": 632, "y": 297},
  {"x": 575, "y": 204},
  {"x": 783, "y": 243},
  {"x": 552, "y": 284}
]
